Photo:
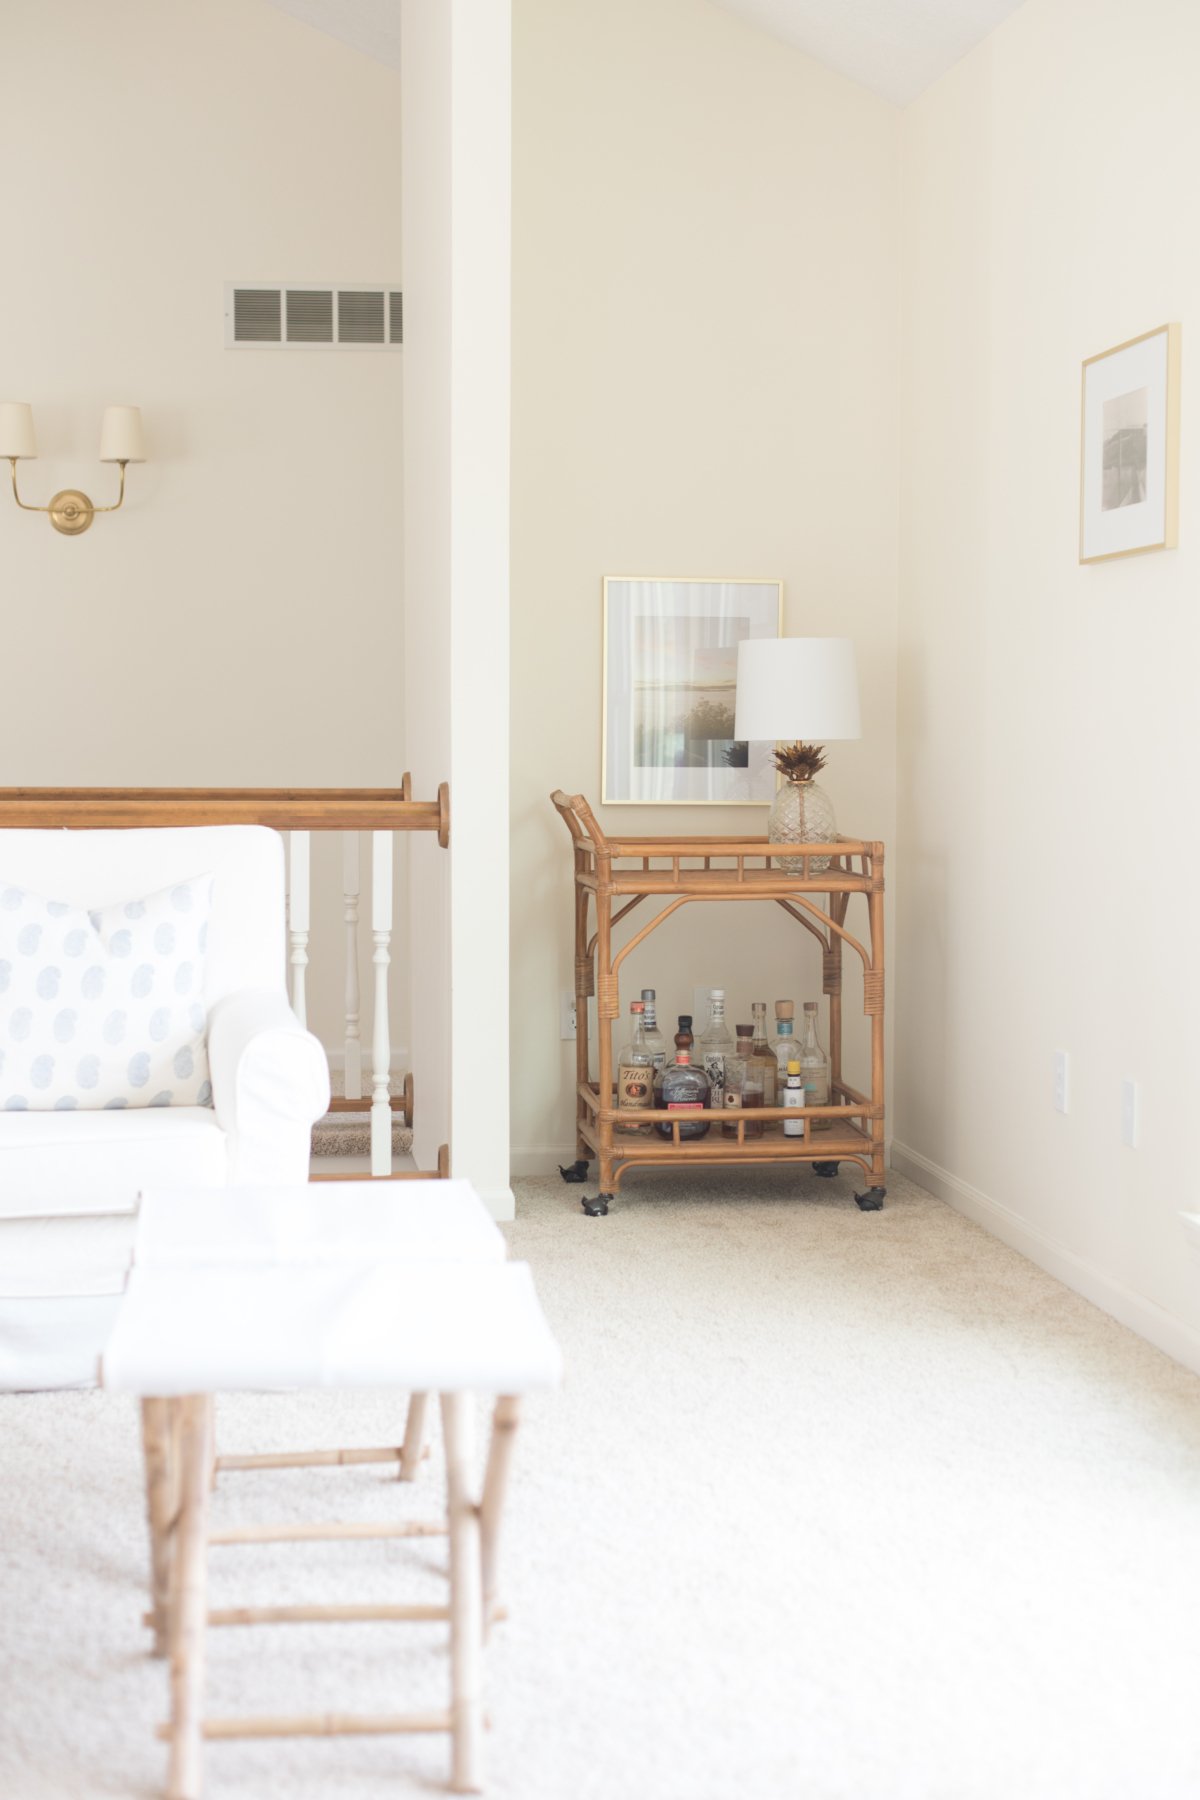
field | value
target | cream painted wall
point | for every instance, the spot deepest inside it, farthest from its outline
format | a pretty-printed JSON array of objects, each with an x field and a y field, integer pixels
[
  {"x": 240, "y": 621},
  {"x": 1048, "y": 746},
  {"x": 705, "y": 383}
]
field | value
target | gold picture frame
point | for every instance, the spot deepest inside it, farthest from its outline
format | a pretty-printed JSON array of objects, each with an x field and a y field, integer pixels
[
  {"x": 669, "y": 672},
  {"x": 1129, "y": 448}
]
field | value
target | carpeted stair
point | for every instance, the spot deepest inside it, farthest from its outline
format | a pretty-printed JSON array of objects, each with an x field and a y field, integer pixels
[{"x": 349, "y": 1133}]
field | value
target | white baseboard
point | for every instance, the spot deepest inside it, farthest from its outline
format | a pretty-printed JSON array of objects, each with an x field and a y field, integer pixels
[
  {"x": 1146, "y": 1317},
  {"x": 538, "y": 1161},
  {"x": 501, "y": 1203}
]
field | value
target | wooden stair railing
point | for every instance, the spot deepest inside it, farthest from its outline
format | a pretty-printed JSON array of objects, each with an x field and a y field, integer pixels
[{"x": 299, "y": 812}]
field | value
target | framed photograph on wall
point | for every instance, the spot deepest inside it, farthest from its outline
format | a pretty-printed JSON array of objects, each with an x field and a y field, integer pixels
[
  {"x": 670, "y": 683},
  {"x": 1129, "y": 465}
]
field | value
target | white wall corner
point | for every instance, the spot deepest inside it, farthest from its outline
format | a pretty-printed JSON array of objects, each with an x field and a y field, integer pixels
[{"x": 1146, "y": 1317}]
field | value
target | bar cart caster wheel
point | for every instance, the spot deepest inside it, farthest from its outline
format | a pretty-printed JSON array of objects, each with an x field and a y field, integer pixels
[
  {"x": 827, "y": 1169},
  {"x": 872, "y": 1200},
  {"x": 597, "y": 1208},
  {"x": 576, "y": 1172}
]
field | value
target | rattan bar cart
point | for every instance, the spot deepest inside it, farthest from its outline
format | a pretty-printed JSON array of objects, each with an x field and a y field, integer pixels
[{"x": 621, "y": 873}]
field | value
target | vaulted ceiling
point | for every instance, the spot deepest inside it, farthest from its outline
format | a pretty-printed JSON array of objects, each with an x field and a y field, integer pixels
[{"x": 895, "y": 47}]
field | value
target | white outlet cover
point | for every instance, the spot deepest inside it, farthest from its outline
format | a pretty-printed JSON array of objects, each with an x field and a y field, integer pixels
[
  {"x": 1062, "y": 1082},
  {"x": 1130, "y": 1109}
]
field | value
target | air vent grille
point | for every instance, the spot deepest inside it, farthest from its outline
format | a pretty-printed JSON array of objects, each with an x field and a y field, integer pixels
[
  {"x": 360, "y": 317},
  {"x": 256, "y": 316},
  {"x": 264, "y": 315},
  {"x": 309, "y": 316}
]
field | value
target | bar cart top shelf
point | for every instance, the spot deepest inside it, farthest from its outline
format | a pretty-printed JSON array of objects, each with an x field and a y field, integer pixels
[{"x": 724, "y": 867}]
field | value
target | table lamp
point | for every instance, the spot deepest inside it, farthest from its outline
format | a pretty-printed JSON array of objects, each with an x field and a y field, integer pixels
[{"x": 789, "y": 692}]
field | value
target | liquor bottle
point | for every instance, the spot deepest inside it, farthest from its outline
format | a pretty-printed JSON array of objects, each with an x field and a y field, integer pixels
[
  {"x": 735, "y": 1075},
  {"x": 715, "y": 1042},
  {"x": 685, "y": 1089},
  {"x": 784, "y": 1042},
  {"x": 685, "y": 1028},
  {"x": 635, "y": 1073},
  {"x": 794, "y": 1095},
  {"x": 682, "y": 1041},
  {"x": 761, "y": 1054},
  {"x": 814, "y": 1066},
  {"x": 655, "y": 1042},
  {"x": 743, "y": 1083}
]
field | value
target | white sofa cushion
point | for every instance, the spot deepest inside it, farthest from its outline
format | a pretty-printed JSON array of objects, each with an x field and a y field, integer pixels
[
  {"x": 91, "y": 1162},
  {"x": 247, "y": 933},
  {"x": 104, "y": 1007}
]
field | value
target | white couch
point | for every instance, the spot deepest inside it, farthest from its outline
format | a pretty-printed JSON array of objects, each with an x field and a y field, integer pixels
[{"x": 69, "y": 1181}]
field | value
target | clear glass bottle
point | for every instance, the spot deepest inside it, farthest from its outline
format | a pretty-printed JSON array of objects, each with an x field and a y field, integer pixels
[
  {"x": 761, "y": 1053},
  {"x": 793, "y": 1095},
  {"x": 735, "y": 1075},
  {"x": 635, "y": 1073},
  {"x": 716, "y": 1041},
  {"x": 814, "y": 1066},
  {"x": 655, "y": 1041},
  {"x": 685, "y": 1089},
  {"x": 743, "y": 1083},
  {"x": 784, "y": 1042}
]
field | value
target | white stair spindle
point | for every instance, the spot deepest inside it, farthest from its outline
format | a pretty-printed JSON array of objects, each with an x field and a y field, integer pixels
[
  {"x": 351, "y": 887},
  {"x": 299, "y": 844},
  {"x": 381, "y": 1037}
]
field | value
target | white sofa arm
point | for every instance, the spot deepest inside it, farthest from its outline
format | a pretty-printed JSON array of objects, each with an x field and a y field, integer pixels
[{"x": 270, "y": 1083}]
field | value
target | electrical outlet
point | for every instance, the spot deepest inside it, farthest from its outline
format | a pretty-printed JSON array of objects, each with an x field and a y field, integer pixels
[
  {"x": 566, "y": 1014},
  {"x": 1130, "y": 1111},
  {"x": 1062, "y": 1089},
  {"x": 700, "y": 1009}
]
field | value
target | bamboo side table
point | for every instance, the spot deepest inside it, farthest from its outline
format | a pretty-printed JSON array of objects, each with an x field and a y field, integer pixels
[{"x": 682, "y": 871}]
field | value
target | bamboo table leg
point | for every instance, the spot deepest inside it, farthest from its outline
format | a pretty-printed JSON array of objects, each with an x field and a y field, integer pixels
[
  {"x": 188, "y": 1606},
  {"x": 466, "y": 1601},
  {"x": 414, "y": 1437},
  {"x": 161, "y": 1502},
  {"x": 607, "y": 1007},
  {"x": 505, "y": 1420}
]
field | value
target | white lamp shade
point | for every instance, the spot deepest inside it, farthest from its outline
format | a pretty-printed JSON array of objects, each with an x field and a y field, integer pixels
[
  {"x": 796, "y": 688},
  {"x": 16, "y": 429},
  {"x": 121, "y": 437}
]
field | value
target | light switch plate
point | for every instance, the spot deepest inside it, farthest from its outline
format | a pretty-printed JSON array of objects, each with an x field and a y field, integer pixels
[{"x": 566, "y": 1014}]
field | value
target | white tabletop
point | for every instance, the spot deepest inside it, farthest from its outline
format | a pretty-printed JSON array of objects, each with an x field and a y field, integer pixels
[{"x": 433, "y": 1327}]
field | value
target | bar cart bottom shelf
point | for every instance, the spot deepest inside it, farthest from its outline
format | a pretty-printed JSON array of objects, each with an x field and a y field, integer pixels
[{"x": 823, "y": 1156}]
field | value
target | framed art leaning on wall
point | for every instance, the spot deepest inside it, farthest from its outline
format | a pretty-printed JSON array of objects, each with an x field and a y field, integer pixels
[
  {"x": 670, "y": 686},
  {"x": 1129, "y": 464}
]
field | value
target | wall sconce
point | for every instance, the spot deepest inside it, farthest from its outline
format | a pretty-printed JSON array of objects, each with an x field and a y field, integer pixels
[{"x": 70, "y": 511}]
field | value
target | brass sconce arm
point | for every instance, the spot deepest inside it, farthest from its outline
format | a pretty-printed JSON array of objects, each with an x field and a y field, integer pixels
[{"x": 70, "y": 511}]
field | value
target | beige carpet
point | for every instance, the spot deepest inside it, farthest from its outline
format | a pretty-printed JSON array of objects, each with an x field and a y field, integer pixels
[{"x": 832, "y": 1507}]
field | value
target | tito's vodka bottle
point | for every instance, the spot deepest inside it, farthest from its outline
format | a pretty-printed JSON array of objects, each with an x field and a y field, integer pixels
[
  {"x": 655, "y": 1042},
  {"x": 716, "y": 1043},
  {"x": 635, "y": 1074}
]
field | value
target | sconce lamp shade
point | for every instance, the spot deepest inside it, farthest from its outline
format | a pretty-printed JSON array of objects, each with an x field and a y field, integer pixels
[
  {"x": 16, "y": 429},
  {"x": 121, "y": 437},
  {"x": 796, "y": 688}
]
